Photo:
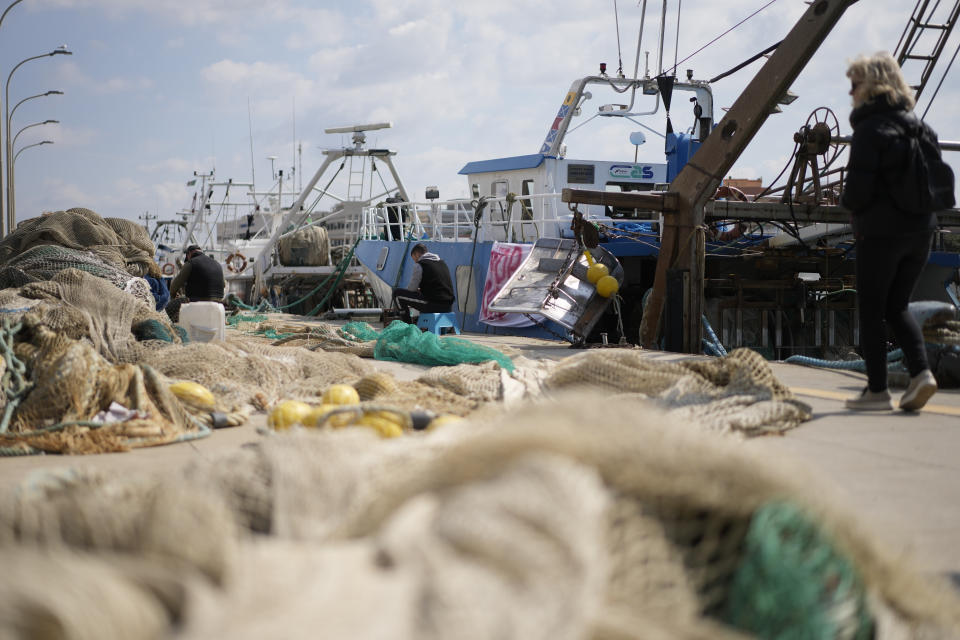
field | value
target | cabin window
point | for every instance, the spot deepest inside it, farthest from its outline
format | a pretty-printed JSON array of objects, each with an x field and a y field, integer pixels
[
  {"x": 382, "y": 258},
  {"x": 580, "y": 174},
  {"x": 475, "y": 190},
  {"x": 499, "y": 189}
]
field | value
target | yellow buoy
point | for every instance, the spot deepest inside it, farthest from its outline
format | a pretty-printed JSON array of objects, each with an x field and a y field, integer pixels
[
  {"x": 288, "y": 413},
  {"x": 341, "y": 394},
  {"x": 596, "y": 271},
  {"x": 386, "y": 428},
  {"x": 607, "y": 286},
  {"x": 193, "y": 394}
]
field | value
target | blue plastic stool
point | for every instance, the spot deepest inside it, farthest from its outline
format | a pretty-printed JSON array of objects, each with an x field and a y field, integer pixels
[{"x": 437, "y": 322}]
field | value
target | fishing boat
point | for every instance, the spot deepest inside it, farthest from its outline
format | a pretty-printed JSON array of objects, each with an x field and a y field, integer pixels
[{"x": 774, "y": 282}]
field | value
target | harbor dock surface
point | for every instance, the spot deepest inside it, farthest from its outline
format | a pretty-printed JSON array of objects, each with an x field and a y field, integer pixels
[{"x": 898, "y": 473}]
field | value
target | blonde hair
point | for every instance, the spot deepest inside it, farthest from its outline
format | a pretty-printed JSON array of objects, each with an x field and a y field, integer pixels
[{"x": 881, "y": 76}]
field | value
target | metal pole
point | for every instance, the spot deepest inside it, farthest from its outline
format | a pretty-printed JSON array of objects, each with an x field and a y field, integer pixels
[
  {"x": 17, "y": 155},
  {"x": 12, "y": 184},
  {"x": 11, "y": 214},
  {"x": 3, "y": 229}
]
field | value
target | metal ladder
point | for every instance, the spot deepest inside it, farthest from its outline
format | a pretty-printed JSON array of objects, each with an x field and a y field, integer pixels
[
  {"x": 357, "y": 178},
  {"x": 937, "y": 24}
]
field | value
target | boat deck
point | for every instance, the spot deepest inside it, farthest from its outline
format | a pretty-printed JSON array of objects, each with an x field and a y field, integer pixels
[{"x": 898, "y": 472}]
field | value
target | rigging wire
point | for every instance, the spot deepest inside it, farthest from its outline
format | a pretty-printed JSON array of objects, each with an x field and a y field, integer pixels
[
  {"x": 676, "y": 64},
  {"x": 616, "y": 18},
  {"x": 940, "y": 84},
  {"x": 676, "y": 42}
]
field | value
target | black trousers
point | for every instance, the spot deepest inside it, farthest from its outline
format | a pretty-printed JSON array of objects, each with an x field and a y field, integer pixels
[
  {"x": 407, "y": 299},
  {"x": 888, "y": 268}
]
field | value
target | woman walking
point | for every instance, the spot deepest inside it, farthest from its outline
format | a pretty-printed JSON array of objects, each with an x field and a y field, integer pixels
[{"x": 892, "y": 245}]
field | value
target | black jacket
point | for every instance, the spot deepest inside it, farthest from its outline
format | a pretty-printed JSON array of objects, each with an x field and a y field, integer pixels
[
  {"x": 435, "y": 283},
  {"x": 876, "y": 153},
  {"x": 205, "y": 280}
]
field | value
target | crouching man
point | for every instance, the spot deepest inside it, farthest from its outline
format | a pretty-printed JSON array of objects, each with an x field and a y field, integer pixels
[{"x": 430, "y": 289}]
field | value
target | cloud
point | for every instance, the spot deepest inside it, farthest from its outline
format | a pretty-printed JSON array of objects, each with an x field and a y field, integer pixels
[
  {"x": 120, "y": 84},
  {"x": 175, "y": 165},
  {"x": 75, "y": 137}
]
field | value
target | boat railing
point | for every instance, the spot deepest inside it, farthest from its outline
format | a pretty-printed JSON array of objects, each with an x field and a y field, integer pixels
[{"x": 508, "y": 218}]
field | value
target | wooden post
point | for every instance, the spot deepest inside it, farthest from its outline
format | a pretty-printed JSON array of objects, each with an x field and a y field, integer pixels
[{"x": 682, "y": 242}]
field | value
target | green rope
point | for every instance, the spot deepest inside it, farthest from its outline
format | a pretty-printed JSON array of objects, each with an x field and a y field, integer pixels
[
  {"x": 342, "y": 272},
  {"x": 15, "y": 384},
  {"x": 265, "y": 305}
]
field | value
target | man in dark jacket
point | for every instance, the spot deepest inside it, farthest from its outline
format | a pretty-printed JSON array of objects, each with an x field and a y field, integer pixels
[
  {"x": 892, "y": 245},
  {"x": 201, "y": 276},
  {"x": 430, "y": 289}
]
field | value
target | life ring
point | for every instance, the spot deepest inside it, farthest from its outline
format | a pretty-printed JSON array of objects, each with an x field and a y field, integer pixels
[
  {"x": 168, "y": 269},
  {"x": 232, "y": 261}
]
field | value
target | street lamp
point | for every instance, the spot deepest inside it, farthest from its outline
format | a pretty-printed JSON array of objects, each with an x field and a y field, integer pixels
[
  {"x": 35, "y": 144},
  {"x": 55, "y": 92},
  {"x": 5, "y": 12},
  {"x": 61, "y": 50},
  {"x": 11, "y": 169},
  {"x": 13, "y": 143}
]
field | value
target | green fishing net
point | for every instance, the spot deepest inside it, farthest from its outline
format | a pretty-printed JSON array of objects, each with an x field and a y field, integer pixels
[
  {"x": 235, "y": 320},
  {"x": 155, "y": 330},
  {"x": 359, "y": 331},
  {"x": 793, "y": 584},
  {"x": 402, "y": 342}
]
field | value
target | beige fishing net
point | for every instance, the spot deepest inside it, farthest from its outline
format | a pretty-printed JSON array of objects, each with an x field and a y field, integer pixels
[
  {"x": 244, "y": 370},
  {"x": 558, "y": 519},
  {"x": 115, "y": 241},
  {"x": 308, "y": 247}
]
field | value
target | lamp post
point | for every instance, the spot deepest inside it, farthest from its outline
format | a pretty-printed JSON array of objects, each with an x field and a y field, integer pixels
[
  {"x": 61, "y": 50},
  {"x": 13, "y": 143},
  {"x": 55, "y": 92},
  {"x": 11, "y": 169},
  {"x": 14, "y": 160},
  {"x": 3, "y": 231}
]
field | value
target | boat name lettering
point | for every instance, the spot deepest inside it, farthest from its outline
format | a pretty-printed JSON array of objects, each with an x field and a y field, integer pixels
[{"x": 640, "y": 171}]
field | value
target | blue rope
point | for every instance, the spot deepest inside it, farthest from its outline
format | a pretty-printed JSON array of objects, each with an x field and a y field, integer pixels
[
  {"x": 711, "y": 344},
  {"x": 893, "y": 357}
]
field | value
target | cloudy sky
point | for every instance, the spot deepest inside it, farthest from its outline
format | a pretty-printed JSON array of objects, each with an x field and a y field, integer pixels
[{"x": 155, "y": 90}]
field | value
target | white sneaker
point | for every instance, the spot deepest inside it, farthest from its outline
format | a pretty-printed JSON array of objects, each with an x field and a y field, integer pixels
[
  {"x": 870, "y": 401},
  {"x": 922, "y": 387}
]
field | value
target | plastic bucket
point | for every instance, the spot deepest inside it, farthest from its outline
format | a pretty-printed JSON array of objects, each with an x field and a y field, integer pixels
[{"x": 203, "y": 321}]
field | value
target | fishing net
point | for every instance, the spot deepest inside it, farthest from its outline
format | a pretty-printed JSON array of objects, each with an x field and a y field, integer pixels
[
  {"x": 736, "y": 393},
  {"x": 243, "y": 371},
  {"x": 43, "y": 262},
  {"x": 559, "y": 519},
  {"x": 82, "y": 305},
  {"x": 308, "y": 247},
  {"x": 84, "y": 230},
  {"x": 56, "y": 388}
]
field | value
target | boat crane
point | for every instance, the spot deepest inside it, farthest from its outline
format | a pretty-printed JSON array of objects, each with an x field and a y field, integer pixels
[{"x": 360, "y": 176}]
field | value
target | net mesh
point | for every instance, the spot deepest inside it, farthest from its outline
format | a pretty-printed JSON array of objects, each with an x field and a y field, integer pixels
[
  {"x": 115, "y": 241},
  {"x": 308, "y": 247},
  {"x": 553, "y": 520}
]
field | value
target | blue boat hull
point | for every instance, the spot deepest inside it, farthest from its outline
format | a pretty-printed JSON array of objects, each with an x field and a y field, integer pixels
[{"x": 393, "y": 268}]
